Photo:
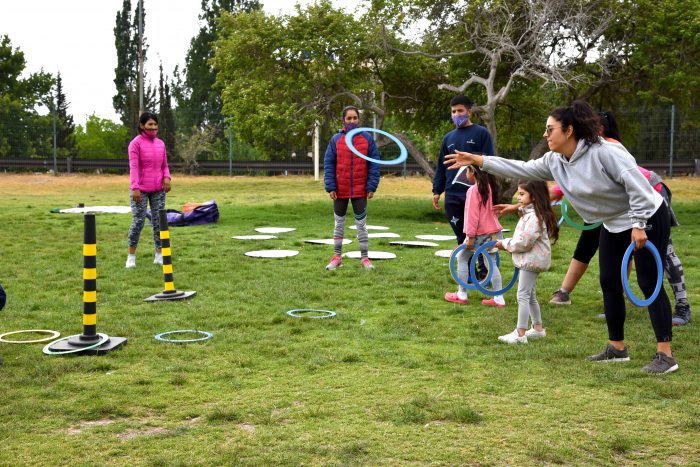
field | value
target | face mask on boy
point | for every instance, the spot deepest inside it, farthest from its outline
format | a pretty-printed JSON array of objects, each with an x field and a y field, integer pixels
[{"x": 460, "y": 119}]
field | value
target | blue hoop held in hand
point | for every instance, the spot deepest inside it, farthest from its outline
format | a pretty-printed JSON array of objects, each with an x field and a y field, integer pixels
[
  {"x": 575, "y": 225},
  {"x": 402, "y": 155},
  {"x": 659, "y": 276},
  {"x": 472, "y": 272},
  {"x": 453, "y": 258}
]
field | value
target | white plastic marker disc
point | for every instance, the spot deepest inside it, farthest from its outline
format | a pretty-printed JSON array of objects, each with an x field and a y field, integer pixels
[
  {"x": 327, "y": 241},
  {"x": 383, "y": 235},
  {"x": 444, "y": 253},
  {"x": 370, "y": 254},
  {"x": 274, "y": 230},
  {"x": 254, "y": 237},
  {"x": 371, "y": 227},
  {"x": 437, "y": 238},
  {"x": 98, "y": 209},
  {"x": 413, "y": 243},
  {"x": 272, "y": 253}
]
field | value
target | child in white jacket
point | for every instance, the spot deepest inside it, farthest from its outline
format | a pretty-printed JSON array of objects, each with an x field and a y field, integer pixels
[{"x": 532, "y": 254}]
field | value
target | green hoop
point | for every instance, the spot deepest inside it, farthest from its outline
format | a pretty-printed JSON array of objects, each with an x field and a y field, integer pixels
[
  {"x": 47, "y": 350},
  {"x": 575, "y": 225}
]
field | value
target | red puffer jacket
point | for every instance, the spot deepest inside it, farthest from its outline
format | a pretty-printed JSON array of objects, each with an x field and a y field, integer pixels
[{"x": 347, "y": 174}]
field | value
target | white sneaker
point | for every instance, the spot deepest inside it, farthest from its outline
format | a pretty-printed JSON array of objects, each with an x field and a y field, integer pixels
[
  {"x": 513, "y": 338},
  {"x": 158, "y": 259},
  {"x": 533, "y": 333},
  {"x": 130, "y": 261}
]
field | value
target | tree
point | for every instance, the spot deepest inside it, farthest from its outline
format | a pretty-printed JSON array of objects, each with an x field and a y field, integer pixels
[
  {"x": 23, "y": 132},
  {"x": 65, "y": 127},
  {"x": 198, "y": 101},
  {"x": 279, "y": 75},
  {"x": 126, "y": 41},
  {"x": 167, "y": 119},
  {"x": 102, "y": 139}
]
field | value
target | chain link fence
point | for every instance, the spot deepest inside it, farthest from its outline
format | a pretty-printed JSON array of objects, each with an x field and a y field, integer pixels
[{"x": 660, "y": 138}]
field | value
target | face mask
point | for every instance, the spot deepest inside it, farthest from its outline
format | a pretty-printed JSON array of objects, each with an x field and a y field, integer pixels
[
  {"x": 151, "y": 133},
  {"x": 460, "y": 119},
  {"x": 350, "y": 126}
]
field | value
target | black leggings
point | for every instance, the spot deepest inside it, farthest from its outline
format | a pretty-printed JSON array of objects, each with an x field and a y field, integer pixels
[
  {"x": 612, "y": 249},
  {"x": 359, "y": 206}
]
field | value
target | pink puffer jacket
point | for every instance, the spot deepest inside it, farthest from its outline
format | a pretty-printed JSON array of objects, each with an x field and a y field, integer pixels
[{"x": 148, "y": 164}]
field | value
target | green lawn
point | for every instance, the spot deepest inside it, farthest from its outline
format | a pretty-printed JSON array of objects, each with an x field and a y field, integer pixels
[{"x": 398, "y": 377}]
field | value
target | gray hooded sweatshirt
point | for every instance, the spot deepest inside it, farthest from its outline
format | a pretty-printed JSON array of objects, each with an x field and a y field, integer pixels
[{"x": 601, "y": 182}]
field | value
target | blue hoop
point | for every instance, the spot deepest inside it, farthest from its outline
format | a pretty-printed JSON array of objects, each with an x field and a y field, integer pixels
[
  {"x": 659, "y": 276},
  {"x": 295, "y": 313},
  {"x": 207, "y": 336},
  {"x": 403, "y": 155},
  {"x": 453, "y": 258},
  {"x": 472, "y": 272}
]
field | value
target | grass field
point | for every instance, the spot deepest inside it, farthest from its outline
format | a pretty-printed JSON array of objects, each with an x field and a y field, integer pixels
[{"x": 398, "y": 377}]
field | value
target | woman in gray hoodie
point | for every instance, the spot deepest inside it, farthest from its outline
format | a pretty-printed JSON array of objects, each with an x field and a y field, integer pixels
[{"x": 602, "y": 183}]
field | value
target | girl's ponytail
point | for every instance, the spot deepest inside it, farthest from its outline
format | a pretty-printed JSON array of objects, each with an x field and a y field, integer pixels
[{"x": 484, "y": 181}]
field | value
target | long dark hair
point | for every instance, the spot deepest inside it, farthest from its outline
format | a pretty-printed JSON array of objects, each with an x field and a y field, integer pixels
[
  {"x": 483, "y": 182},
  {"x": 539, "y": 193},
  {"x": 609, "y": 124},
  {"x": 582, "y": 118}
]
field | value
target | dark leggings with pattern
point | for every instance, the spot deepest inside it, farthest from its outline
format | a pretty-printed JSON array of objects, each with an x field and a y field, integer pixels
[{"x": 138, "y": 212}]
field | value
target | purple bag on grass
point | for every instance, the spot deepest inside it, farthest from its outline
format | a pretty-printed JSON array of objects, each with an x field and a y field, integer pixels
[{"x": 206, "y": 213}]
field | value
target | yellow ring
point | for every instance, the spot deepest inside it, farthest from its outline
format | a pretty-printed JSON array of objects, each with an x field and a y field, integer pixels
[{"x": 54, "y": 335}]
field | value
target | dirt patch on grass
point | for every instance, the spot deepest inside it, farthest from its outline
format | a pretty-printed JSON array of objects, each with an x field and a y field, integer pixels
[
  {"x": 87, "y": 424},
  {"x": 134, "y": 432}
]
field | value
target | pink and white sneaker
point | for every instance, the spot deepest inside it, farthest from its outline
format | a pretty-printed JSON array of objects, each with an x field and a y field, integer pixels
[
  {"x": 335, "y": 263},
  {"x": 493, "y": 302},
  {"x": 454, "y": 298},
  {"x": 366, "y": 263}
]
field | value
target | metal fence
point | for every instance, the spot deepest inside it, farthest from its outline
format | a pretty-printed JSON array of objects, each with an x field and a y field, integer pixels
[{"x": 660, "y": 138}]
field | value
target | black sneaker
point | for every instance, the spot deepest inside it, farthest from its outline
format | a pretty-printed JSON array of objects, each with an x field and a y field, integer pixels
[
  {"x": 611, "y": 354},
  {"x": 560, "y": 298},
  {"x": 661, "y": 364},
  {"x": 682, "y": 316}
]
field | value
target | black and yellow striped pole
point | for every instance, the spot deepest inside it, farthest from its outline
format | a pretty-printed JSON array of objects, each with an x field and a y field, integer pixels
[
  {"x": 169, "y": 290},
  {"x": 90, "y": 340},
  {"x": 89, "y": 335}
]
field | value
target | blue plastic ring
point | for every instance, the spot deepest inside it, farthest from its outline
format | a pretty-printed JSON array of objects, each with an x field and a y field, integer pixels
[
  {"x": 295, "y": 313},
  {"x": 402, "y": 156},
  {"x": 565, "y": 215},
  {"x": 207, "y": 336},
  {"x": 453, "y": 258},
  {"x": 659, "y": 276},
  {"x": 472, "y": 272}
]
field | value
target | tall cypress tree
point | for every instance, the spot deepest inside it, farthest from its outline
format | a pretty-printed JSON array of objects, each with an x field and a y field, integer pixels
[
  {"x": 198, "y": 101},
  {"x": 126, "y": 41},
  {"x": 166, "y": 118},
  {"x": 65, "y": 126}
]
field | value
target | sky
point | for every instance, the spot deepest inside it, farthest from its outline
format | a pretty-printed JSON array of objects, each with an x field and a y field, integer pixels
[{"x": 76, "y": 38}]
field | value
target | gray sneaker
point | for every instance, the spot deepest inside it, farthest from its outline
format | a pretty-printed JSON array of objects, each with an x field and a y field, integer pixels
[
  {"x": 611, "y": 354},
  {"x": 661, "y": 364},
  {"x": 560, "y": 298},
  {"x": 601, "y": 315},
  {"x": 682, "y": 316}
]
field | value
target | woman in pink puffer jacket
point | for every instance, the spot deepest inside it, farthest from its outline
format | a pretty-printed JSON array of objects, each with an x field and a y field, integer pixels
[{"x": 150, "y": 181}]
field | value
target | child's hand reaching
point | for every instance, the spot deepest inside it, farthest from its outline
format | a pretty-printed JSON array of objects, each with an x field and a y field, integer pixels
[
  {"x": 469, "y": 242},
  {"x": 499, "y": 245},
  {"x": 501, "y": 209}
]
